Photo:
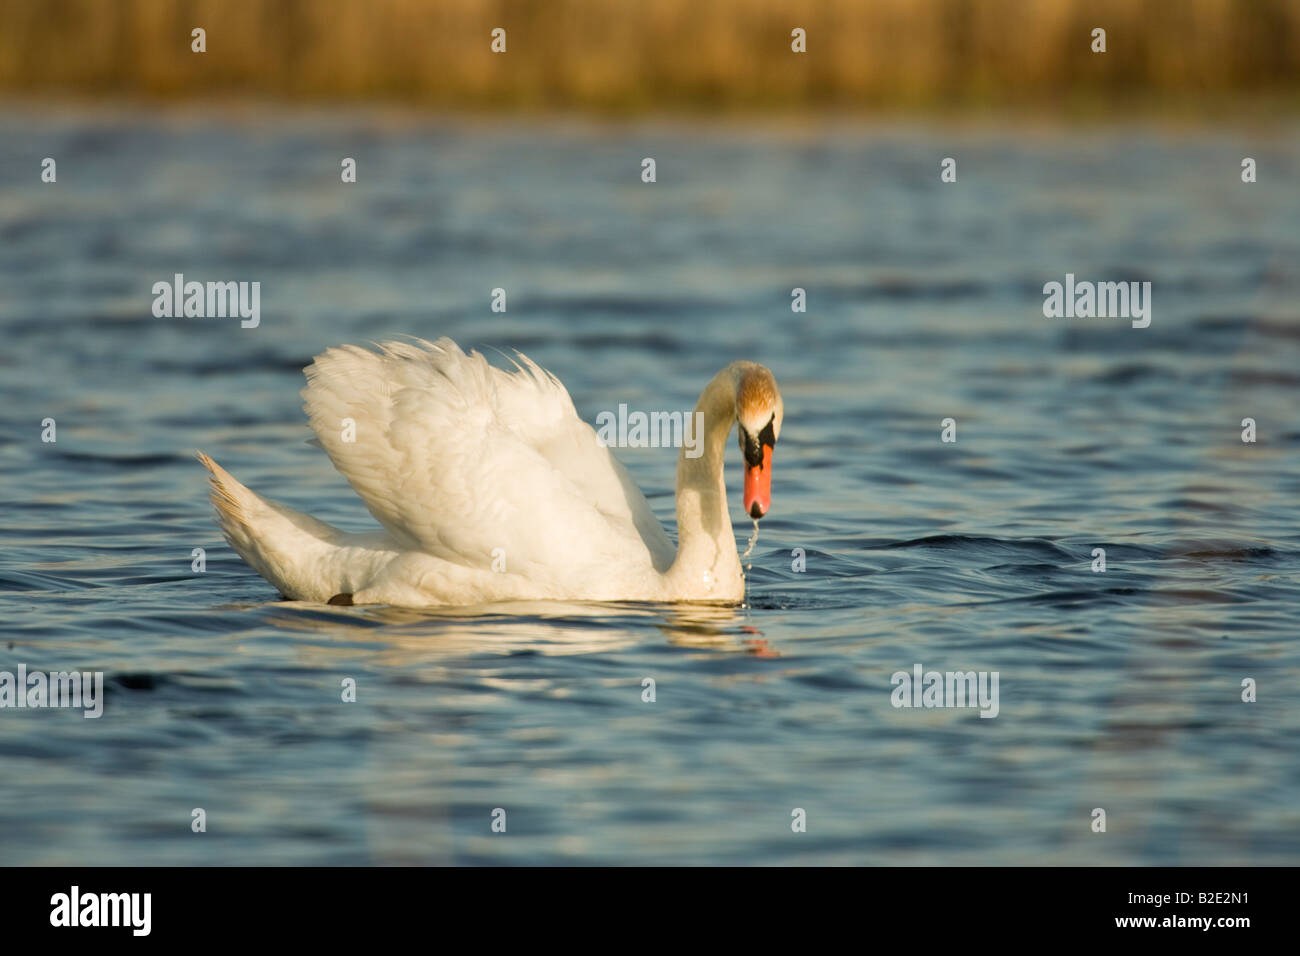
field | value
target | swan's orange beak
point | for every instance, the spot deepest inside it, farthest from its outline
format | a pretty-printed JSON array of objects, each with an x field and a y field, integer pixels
[{"x": 758, "y": 486}]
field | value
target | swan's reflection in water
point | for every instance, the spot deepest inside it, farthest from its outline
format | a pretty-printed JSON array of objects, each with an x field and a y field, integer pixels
[
  {"x": 713, "y": 626},
  {"x": 402, "y": 637},
  {"x": 459, "y": 721}
]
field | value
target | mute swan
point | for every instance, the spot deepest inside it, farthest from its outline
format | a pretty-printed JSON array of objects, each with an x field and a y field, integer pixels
[{"x": 490, "y": 488}]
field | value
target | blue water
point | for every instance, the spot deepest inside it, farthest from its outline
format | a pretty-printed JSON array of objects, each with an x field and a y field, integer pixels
[{"x": 1120, "y": 690}]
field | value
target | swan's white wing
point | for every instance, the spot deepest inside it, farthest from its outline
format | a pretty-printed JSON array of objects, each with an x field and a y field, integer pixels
[{"x": 458, "y": 458}]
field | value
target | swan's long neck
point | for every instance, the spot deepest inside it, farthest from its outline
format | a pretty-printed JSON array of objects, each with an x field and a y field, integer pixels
[{"x": 707, "y": 562}]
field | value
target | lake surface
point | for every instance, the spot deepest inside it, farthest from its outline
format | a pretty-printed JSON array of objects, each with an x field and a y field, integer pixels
[{"x": 1120, "y": 690}]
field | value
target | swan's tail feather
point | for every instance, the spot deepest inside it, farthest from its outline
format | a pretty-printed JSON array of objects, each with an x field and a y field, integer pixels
[
  {"x": 228, "y": 497},
  {"x": 288, "y": 548}
]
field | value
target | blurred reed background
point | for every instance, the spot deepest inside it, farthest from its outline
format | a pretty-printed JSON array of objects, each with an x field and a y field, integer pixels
[{"x": 627, "y": 56}]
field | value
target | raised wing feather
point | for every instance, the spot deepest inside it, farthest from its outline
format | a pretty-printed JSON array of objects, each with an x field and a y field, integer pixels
[{"x": 458, "y": 458}]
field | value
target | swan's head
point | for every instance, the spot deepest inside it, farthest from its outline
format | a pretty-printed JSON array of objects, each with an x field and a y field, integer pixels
[{"x": 758, "y": 419}]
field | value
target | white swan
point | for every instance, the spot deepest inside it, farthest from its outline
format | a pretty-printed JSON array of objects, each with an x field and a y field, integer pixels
[{"x": 490, "y": 488}]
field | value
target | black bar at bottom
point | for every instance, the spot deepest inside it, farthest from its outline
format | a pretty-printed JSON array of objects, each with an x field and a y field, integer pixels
[{"x": 216, "y": 905}]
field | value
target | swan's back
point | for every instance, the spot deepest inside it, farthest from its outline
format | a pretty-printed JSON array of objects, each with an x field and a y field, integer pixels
[{"x": 478, "y": 465}]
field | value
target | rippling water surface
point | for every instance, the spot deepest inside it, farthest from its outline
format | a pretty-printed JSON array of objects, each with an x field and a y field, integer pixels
[{"x": 1118, "y": 690}]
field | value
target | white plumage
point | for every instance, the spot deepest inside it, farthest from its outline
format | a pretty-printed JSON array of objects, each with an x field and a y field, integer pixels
[{"x": 488, "y": 488}]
